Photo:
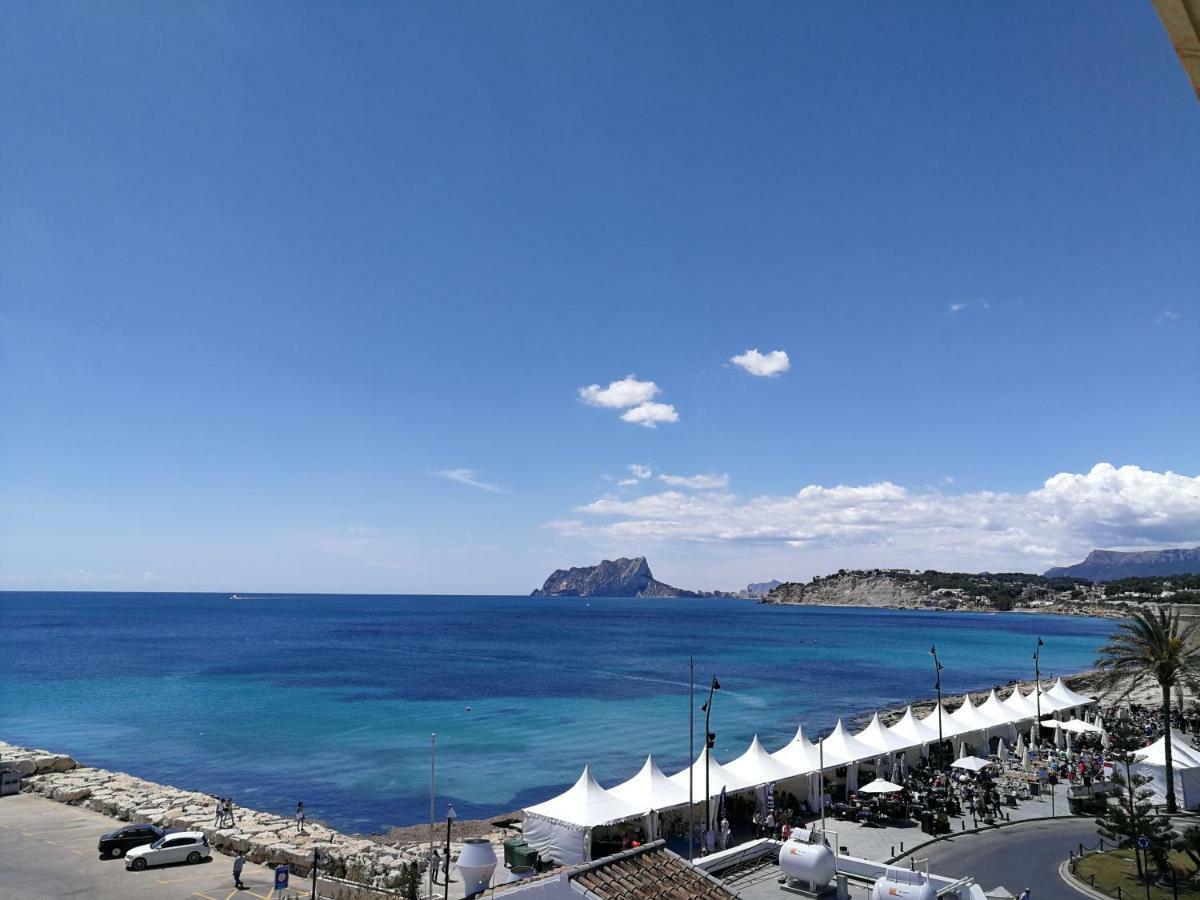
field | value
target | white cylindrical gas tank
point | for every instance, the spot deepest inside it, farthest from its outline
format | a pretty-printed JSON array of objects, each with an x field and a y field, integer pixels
[
  {"x": 476, "y": 864},
  {"x": 813, "y": 863},
  {"x": 903, "y": 884}
]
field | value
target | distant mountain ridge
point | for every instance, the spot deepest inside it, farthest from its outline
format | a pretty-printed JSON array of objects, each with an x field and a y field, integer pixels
[
  {"x": 1113, "y": 565},
  {"x": 613, "y": 578}
]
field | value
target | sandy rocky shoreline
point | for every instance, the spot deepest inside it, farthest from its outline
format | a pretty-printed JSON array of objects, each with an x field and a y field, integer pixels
[{"x": 267, "y": 838}]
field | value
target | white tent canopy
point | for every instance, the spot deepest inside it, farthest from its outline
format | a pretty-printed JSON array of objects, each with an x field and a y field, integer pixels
[
  {"x": 1061, "y": 692},
  {"x": 1050, "y": 703},
  {"x": 950, "y": 728},
  {"x": 1185, "y": 759},
  {"x": 650, "y": 789},
  {"x": 757, "y": 766},
  {"x": 561, "y": 828},
  {"x": 915, "y": 732},
  {"x": 1020, "y": 706},
  {"x": 586, "y": 804},
  {"x": 970, "y": 763},
  {"x": 993, "y": 709},
  {"x": 879, "y": 786},
  {"x": 799, "y": 754},
  {"x": 881, "y": 739},
  {"x": 718, "y": 777},
  {"x": 969, "y": 718},
  {"x": 841, "y": 748}
]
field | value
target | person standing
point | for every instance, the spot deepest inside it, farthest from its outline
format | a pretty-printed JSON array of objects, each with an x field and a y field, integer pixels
[
  {"x": 300, "y": 815},
  {"x": 239, "y": 863},
  {"x": 434, "y": 864},
  {"x": 726, "y": 833},
  {"x": 1024, "y": 895}
]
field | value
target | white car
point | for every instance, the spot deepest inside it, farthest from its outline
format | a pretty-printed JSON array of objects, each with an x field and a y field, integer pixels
[{"x": 181, "y": 846}]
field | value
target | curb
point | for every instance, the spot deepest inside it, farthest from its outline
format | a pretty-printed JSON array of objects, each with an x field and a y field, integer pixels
[
  {"x": 1064, "y": 872},
  {"x": 946, "y": 837}
]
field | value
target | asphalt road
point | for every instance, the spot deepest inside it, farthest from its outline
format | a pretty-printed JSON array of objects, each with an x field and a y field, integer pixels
[
  {"x": 48, "y": 851},
  {"x": 1017, "y": 857}
]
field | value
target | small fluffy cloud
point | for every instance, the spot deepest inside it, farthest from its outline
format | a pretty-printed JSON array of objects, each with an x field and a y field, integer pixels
[
  {"x": 1068, "y": 515},
  {"x": 635, "y": 397},
  {"x": 765, "y": 365},
  {"x": 469, "y": 477},
  {"x": 639, "y": 471},
  {"x": 619, "y": 394},
  {"x": 696, "y": 482},
  {"x": 649, "y": 415},
  {"x": 956, "y": 307}
]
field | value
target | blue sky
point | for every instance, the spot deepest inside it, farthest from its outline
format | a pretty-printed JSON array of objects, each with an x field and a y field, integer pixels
[{"x": 278, "y": 281}]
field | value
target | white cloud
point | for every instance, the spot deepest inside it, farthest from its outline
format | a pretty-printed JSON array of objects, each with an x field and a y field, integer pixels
[
  {"x": 766, "y": 365},
  {"x": 626, "y": 482},
  {"x": 619, "y": 394},
  {"x": 956, "y": 307},
  {"x": 469, "y": 477},
  {"x": 650, "y": 414},
  {"x": 639, "y": 471},
  {"x": 1056, "y": 523},
  {"x": 696, "y": 482}
]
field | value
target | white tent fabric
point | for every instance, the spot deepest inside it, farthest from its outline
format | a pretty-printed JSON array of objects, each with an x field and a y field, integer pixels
[
  {"x": 841, "y": 748},
  {"x": 586, "y": 804},
  {"x": 1050, "y": 703},
  {"x": 1185, "y": 761},
  {"x": 650, "y": 789},
  {"x": 1020, "y": 706},
  {"x": 879, "y": 786},
  {"x": 561, "y": 828},
  {"x": 757, "y": 766},
  {"x": 993, "y": 709},
  {"x": 970, "y": 763},
  {"x": 950, "y": 728},
  {"x": 1081, "y": 727},
  {"x": 881, "y": 739},
  {"x": 799, "y": 754},
  {"x": 718, "y": 777},
  {"x": 914, "y": 731},
  {"x": 969, "y": 718},
  {"x": 1061, "y": 692}
]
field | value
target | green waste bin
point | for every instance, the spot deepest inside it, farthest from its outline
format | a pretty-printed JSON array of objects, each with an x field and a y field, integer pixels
[{"x": 518, "y": 853}]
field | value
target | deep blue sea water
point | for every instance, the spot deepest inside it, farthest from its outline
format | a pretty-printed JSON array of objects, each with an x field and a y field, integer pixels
[{"x": 332, "y": 699}]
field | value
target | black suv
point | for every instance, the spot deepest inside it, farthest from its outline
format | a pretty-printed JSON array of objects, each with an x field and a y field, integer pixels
[{"x": 115, "y": 843}]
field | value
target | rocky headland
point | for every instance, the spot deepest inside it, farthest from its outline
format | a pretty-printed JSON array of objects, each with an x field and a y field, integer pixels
[
  {"x": 614, "y": 578},
  {"x": 905, "y": 589}
]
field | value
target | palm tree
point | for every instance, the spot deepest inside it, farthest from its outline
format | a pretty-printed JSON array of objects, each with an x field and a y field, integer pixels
[{"x": 1152, "y": 646}]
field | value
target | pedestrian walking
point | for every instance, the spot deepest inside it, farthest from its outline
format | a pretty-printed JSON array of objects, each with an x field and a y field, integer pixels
[
  {"x": 434, "y": 864},
  {"x": 1024, "y": 895},
  {"x": 300, "y": 815},
  {"x": 218, "y": 811},
  {"x": 239, "y": 863}
]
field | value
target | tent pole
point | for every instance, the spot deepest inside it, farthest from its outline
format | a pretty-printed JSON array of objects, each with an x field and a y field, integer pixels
[{"x": 691, "y": 754}]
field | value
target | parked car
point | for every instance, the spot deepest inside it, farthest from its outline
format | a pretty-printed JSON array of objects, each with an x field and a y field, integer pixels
[
  {"x": 180, "y": 846},
  {"x": 125, "y": 839}
]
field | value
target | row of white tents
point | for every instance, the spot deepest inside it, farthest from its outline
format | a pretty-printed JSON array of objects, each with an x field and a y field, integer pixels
[{"x": 561, "y": 827}]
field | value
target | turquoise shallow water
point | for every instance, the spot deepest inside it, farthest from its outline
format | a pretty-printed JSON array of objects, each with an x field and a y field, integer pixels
[{"x": 332, "y": 699}]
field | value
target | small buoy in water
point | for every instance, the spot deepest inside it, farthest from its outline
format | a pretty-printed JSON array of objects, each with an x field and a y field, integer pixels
[{"x": 468, "y": 709}]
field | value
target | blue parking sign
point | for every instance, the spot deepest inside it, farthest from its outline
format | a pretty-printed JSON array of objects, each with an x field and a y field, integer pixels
[{"x": 281, "y": 878}]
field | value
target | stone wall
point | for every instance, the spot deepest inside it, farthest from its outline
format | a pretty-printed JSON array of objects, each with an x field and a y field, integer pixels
[{"x": 263, "y": 837}]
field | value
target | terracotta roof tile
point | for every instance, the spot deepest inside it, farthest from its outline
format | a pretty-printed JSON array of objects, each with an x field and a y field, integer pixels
[{"x": 647, "y": 873}]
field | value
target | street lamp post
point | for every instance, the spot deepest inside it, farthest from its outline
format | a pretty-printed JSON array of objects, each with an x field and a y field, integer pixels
[
  {"x": 432, "y": 786},
  {"x": 691, "y": 756},
  {"x": 709, "y": 740},
  {"x": 450, "y": 817},
  {"x": 937, "y": 667},
  {"x": 1037, "y": 688}
]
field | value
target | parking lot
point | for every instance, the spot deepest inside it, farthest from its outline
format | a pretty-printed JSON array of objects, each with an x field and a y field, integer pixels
[{"x": 48, "y": 850}]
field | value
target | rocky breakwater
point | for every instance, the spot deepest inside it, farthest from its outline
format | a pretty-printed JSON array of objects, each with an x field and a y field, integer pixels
[{"x": 263, "y": 837}]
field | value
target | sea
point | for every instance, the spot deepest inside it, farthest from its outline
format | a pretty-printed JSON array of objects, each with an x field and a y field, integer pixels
[{"x": 334, "y": 700}]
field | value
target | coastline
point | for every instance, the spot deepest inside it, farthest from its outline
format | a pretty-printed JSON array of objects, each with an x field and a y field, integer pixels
[
  {"x": 1088, "y": 611},
  {"x": 375, "y": 858}
]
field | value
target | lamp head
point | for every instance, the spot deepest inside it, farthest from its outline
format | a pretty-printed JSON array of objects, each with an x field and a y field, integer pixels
[
  {"x": 716, "y": 685},
  {"x": 451, "y": 815}
]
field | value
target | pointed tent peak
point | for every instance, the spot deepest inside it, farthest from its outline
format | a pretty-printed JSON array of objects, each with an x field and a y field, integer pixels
[
  {"x": 801, "y": 737},
  {"x": 756, "y": 746}
]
